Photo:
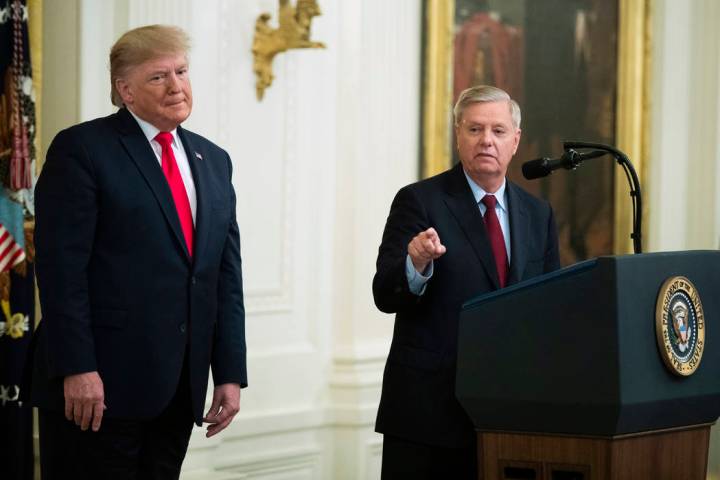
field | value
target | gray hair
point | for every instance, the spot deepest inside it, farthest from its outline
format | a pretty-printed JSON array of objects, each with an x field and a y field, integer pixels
[{"x": 485, "y": 94}]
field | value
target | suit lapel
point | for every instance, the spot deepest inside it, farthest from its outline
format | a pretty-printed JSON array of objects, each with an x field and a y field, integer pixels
[
  {"x": 461, "y": 202},
  {"x": 199, "y": 168},
  {"x": 519, "y": 226},
  {"x": 141, "y": 153}
]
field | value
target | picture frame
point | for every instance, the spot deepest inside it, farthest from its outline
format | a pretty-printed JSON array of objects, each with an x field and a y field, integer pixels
[{"x": 629, "y": 115}]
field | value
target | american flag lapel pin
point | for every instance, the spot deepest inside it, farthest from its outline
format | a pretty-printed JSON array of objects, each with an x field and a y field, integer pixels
[{"x": 199, "y": 157}]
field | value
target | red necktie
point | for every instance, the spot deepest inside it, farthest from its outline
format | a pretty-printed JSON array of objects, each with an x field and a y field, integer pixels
[
  {"x": 177, "y": 187},
  {"x": 497, "y": 241}
]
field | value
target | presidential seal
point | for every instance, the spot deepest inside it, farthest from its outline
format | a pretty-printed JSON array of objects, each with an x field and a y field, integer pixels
[{"x": 680, "y": 326}]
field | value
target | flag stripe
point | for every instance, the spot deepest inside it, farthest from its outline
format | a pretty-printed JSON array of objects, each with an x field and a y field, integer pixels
[{"x": 10, "y": 252}]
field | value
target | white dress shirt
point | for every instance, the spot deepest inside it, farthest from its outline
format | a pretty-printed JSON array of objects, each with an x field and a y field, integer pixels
[
  {"x": 181, "y": 158},
  {"x": 417, "y": 281},
  {"x": 501, "y": 209}
]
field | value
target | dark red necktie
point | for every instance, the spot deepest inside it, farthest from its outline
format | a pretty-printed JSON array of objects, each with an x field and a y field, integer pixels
[
  {"x": 177, "y": 187},
  {"x": 497, "y": 241}
]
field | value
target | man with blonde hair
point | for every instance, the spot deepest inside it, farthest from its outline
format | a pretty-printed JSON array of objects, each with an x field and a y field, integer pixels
[
  {"x": 138, "y": 268},
  {"x": 448, "y": 239}
]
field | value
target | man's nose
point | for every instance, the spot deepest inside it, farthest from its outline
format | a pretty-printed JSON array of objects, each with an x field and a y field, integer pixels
[
  {"x": 173, "y": 82},
  {"x": 485, "y": 137}
]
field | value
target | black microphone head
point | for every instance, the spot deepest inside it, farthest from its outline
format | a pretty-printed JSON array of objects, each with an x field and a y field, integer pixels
[{"x": 536, "y": 168}]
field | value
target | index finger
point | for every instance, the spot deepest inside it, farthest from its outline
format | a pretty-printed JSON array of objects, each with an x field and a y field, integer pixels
[
  {"x": 434, "y": 237},
  {"x": 431, "y": 233}
]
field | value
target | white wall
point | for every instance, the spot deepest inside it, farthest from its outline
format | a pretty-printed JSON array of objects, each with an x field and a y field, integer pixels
[
  {"x": 316, "y": 165},
  {"x": 683, "y": 184}
]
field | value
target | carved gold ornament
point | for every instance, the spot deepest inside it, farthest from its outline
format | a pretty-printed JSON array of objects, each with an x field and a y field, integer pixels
[{"x": 293, "y": 32}]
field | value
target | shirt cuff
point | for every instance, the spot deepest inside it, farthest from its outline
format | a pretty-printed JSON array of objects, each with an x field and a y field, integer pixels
[{"x": 417, "y": 281}]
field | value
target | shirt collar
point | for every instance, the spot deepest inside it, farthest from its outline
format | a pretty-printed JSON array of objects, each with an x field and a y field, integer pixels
[
  {"x": 479, "y": 193},
  {"x": 151, "y": 130}
]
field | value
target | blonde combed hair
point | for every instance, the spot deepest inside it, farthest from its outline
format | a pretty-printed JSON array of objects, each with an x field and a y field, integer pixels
[{"x": 140, "y": 45}]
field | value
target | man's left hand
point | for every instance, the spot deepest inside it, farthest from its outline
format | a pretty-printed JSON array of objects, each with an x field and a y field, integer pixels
[{"x": 225, "y": 405}]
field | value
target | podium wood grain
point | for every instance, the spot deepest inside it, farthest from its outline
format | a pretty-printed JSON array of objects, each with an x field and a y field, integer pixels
[{"x": 672, "y": 455}]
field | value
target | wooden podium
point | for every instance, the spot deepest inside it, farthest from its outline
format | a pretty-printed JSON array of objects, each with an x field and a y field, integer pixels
[{"x": 570, "y": 376}]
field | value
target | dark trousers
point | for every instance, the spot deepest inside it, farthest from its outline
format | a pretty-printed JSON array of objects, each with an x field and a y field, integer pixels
[
  {"x": 404, "y": 459},
  {"x": 121, "y": 449}
]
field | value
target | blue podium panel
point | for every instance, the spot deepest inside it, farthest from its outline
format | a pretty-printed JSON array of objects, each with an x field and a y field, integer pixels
[{"x": 576, "y": 351}]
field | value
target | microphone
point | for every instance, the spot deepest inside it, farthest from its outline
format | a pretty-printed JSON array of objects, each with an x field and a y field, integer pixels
[{"x": 570, "y": 159}]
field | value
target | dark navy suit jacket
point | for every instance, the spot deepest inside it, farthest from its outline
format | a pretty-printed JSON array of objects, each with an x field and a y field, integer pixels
[
  {"x": 418, "y": 396},
  {"x": 119, "y": 292}
]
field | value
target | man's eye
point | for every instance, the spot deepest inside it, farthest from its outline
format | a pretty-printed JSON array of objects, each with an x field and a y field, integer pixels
[{"x": 156, "y": 78}]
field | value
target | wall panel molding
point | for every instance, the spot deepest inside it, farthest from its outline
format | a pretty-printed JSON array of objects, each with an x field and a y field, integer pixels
[
  {"x": 296, "y": 464},
  {"x": 173, "y": 12},
  {"x": 300, "y": 464},
  {"x": 373, "y": 458}
]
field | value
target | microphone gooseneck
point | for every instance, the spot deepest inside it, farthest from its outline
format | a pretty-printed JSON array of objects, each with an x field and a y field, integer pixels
[{"x": 570, "y": 160}]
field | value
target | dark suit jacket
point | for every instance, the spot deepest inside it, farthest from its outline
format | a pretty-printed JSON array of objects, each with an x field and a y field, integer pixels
[
  {"x": 418, "y": 396},
  {"x": 119, "y": 292}
]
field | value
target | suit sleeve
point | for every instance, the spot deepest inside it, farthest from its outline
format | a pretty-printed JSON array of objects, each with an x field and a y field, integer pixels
[
  {"x": 407, "y": 218},
  {"x": 66, "y": 208},
  {"x": 229, "y": 357},
  {"x": 552, "y": 254}
]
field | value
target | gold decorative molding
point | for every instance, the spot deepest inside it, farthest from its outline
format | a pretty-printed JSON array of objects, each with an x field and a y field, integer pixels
[
  {"x": 437, "y": 86},
  {"x": 632, "y": 110},
  {"x": 293, "y": 32}
]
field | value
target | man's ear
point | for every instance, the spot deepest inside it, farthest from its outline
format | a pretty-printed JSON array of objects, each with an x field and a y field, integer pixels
[
  {"x": 123, "y": 88},
  {"x": 518, "y": 133}
]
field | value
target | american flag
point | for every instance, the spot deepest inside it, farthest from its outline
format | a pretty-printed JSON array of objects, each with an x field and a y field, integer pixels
[
  {"x": 17, "y": 154},
  {"x": 10, "y": 252}
]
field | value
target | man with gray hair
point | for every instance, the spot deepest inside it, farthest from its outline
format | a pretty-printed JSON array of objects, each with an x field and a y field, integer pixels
[
  {"x": 449, "y": 238},
  {"x": 139, "y": 275}
]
